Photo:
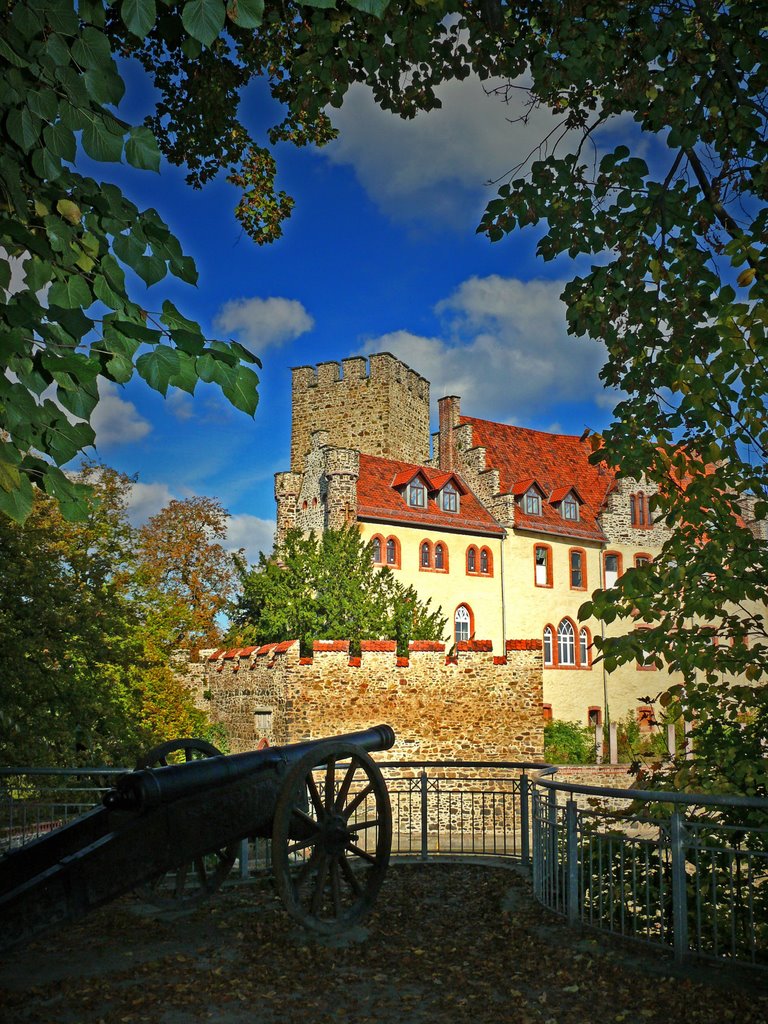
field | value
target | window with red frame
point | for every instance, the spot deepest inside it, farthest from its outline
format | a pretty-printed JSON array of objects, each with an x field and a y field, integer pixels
[
  {"x": 462, "y": 623},
  {"x": 441, "y": 557},
  {"x": 639, "y": 510},
  {"x": 594, "y": 716},
  {"x": 645, "y": 718},
  {"x": 585, "y": 642},
  {"x": 393, "y": 552},
  {"x": 578, "y": 569},
  {"x": 472, "y": 559},
  {"x": 376, "y": 550},
  {"x": 425, "y": 555},
  {"x": 611, "y": 568},
  {"x": 542, "y": 563}
]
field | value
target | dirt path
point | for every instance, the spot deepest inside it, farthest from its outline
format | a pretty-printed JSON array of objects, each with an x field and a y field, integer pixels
[{"x": 447, "y": 945}]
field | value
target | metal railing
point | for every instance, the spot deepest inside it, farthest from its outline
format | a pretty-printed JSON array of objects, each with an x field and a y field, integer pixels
[
  {"x": 684, "y": 872},
  {"x": 674, "y": 870}
]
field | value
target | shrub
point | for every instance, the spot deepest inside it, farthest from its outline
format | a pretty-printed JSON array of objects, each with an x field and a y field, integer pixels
[{"x": 568, "y": 743}]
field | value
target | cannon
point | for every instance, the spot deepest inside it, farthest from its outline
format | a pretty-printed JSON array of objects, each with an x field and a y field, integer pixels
[{"x": 323, "y": 803}]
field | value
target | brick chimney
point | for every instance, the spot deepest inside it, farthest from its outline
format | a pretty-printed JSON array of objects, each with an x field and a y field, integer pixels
[{"x": 450, "y": 411}]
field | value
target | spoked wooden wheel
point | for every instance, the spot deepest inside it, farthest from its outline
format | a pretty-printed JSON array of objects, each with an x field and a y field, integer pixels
[
  {"x": 195, "y": 881},
  {"x": 332, "y": 837}
]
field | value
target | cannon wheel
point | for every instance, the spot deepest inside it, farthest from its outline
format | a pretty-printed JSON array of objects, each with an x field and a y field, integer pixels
[
  {"x": 331, "y": 842},
  {"x": 191, "y": 883}
]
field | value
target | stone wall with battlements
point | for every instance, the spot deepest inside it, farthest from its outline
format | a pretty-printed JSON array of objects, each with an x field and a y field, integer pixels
[
  {"x": 379, "y": 406},
  {"x": 472, "y": 705}
]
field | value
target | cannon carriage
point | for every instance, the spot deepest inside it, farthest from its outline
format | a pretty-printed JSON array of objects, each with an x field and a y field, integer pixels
[{"x": 323, "y": 804}]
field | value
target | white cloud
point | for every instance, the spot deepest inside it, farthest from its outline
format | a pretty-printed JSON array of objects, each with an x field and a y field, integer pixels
[
  {"x": 437, "y": 165},
  {"x": 115, "y": 420},
  {"x": 504, "y": 350},
  {"x": 252, "y": 534},
  {"x": 264, "y": 322},
  {"x": 146, "y": 500}
]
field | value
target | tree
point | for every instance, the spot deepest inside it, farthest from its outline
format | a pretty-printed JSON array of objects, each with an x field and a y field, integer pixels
[
  {"x": 187, "y": 576},
  {"x": 67, "y": 319},
  {"x": 327, "y": 588},
  {"x": 83, "y": 680}
]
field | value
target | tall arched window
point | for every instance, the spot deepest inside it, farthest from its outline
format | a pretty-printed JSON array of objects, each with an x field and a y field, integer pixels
[
  {"x": 461, "y": 623},
  {"x": 439, "y": 556},
  {"x": 391, "y": 551},
  {"x": 584, "y": 639},
  {"x": 472, "y": 559},
  {"x": 547, "y": 645},
  {"x": 484, "y": 561},
  {"x": 566, "y": 643},
  {"x": 376, "y": 549},
  {"x": 424, "y": 558}
]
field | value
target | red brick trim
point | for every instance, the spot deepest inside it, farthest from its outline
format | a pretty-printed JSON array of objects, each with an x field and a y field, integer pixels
[
  {"x": 524, "y": 645},
  {"x": 426, "y": 645},
  {"x": 325, "y": 646},
  {"x": 499, "y": 660},
  {"x": 402, "y": 662},
  {"x": 355, "y": 662},
  {"x": 583, "y": 554},
  {"x": 378, "y": 645},
  {"x": 548, "y": 549},
  {"x": 475, "y": 645}
]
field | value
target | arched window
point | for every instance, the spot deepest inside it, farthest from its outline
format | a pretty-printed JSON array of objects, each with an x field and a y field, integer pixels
[
  {"x": 584, "y": 644},
  {"x": 449, "y": 499},
  {"x": 578, "y": 567},
  {"x": 417, "y": 496},
  {"x": 484, "y": 561},
  {"x": 462, "y": 623},
  {"x": 425, "y": 556},
  {"x": 392, "y": 558},
  {"x": 439, "y": 556},
  {"x": 566, "y": 643},
  {"x": 472, "y": 559},
  {"x": 548, "y": 645},
  {"x": 376, "y": 550}
]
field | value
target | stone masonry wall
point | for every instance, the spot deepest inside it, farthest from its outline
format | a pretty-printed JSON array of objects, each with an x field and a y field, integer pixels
[
  {"x": 384, "y": 412},
  {"x": 616, "y": 521},
  {"x": 475, "y": 705}
]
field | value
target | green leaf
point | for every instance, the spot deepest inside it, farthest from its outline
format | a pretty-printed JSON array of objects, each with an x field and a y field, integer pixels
[
  {"x": 104, "y": 84},
  {"x": 246, "y": 13},
  {"x": 60, "y": 141},
  {"x": 157, "y": 367},
  {"x": 17, "y": 502},
  {"x": 141, "y": 150},
  {"x": 375, "y": 7},
  {"x": 91, "y": 49},
  {"x": 203, "y": 19},
  {"x": 243, "y": 392},
  {"x": 150, "y": 269},
  {"x": 119, "y": 368},
  {"x": 37, "y": 274},
  {"x": 101, "y": 143},
  {"x": 185, "y": 378},
  {"x": 138, "y": 16},
  {"x": 71, "y": 293},
  {"x": 44, "y": 103},
  {"x": 24, "y": 127},
  {"x": 9, "y": 472}
]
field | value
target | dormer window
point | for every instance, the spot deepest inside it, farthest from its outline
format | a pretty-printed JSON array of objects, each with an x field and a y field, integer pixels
[
  {"x": 449, "y": 499},
  {"x": 532, "y": 502},
  {"x": 417, "y": 495},
  {"x": 570, "y": 508}
]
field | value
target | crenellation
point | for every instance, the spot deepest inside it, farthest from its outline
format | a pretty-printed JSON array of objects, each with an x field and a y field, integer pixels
[
  {"x": 439, "y": 708},
  {"x": 384, "y": 412}
]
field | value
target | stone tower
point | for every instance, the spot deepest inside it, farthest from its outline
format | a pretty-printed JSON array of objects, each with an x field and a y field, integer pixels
[{"x": 384, "y": 411}]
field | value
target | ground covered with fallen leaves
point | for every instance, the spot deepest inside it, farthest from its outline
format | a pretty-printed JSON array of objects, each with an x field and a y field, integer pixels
[{"x": 447, "y": 943}]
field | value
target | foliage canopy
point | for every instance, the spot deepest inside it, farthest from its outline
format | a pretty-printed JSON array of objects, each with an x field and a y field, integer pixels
[
  {"x": 85, "y": 659},
  {"x": 327, "y": 588}
]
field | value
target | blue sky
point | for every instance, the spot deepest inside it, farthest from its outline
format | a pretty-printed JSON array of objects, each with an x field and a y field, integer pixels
[{"x": 380, "y": 254}]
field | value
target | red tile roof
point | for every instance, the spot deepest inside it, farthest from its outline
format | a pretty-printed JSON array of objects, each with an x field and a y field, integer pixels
[
  {"x": 557, "y": 462},
  {"x": 379, "y": 500}
]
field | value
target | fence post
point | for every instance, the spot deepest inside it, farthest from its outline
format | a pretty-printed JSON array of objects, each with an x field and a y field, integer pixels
[
  {"x": 671, "y": 740},
  {"x": 572, "y": 860},
  {"x": 613, "y": 743},
  {"x": 424, "y": 815},
  {"x": 525, "y": 853},
  {"x": 598, "y": 743},
  {"x": 679, "y": 896},
  {"x": 243, "y": 859},
  {"x": 552, "y": 872}
]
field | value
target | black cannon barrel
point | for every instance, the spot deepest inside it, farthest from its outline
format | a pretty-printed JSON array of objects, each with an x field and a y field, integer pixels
[{"x": 151, "y": 787}]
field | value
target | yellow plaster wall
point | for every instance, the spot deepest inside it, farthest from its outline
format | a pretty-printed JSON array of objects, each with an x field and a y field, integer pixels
[{"x": 455, "y": 587}]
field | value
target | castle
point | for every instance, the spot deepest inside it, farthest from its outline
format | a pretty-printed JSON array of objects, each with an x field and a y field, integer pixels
[{"x": 507, "y": 529}]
